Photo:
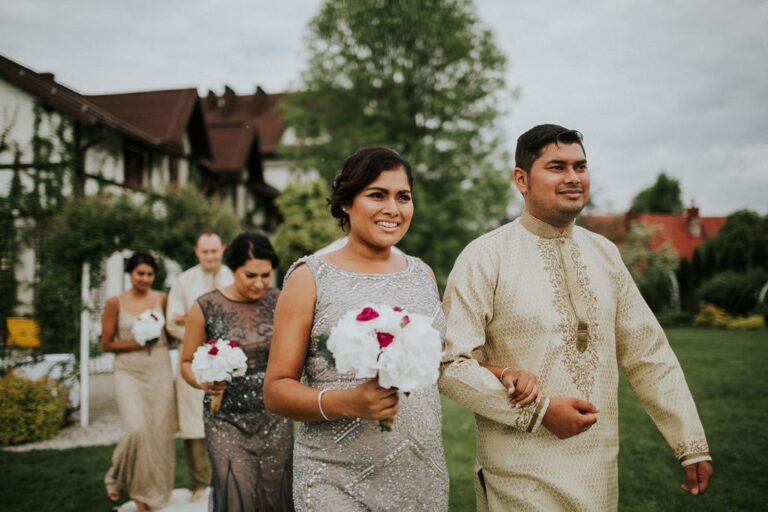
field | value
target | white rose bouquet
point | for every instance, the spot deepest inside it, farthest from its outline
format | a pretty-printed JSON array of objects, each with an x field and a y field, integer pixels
[
  {"x": 401, "y": 348},
  {"x": 147, "y": 328},
  {"x": 219, "y": 360}
]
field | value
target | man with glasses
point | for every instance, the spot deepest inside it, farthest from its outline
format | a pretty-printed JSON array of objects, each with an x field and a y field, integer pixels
[{"x": 543, "y": 295}]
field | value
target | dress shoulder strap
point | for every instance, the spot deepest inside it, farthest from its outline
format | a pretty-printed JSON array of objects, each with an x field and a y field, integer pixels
[{"x": 310, "y": 261}]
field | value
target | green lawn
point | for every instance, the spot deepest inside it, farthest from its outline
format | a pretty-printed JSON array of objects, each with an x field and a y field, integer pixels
[{"x": 726, "y": 372}]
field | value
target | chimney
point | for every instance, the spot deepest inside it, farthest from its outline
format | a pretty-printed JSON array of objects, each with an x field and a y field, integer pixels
[
  {"x": 229, "y": 101},
  {"x": 211, "y": 100},
  {"x": 693, "y": 221},
  {"x": 259, "y": 101}
]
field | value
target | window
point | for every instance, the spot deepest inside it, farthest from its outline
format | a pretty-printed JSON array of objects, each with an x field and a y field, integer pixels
[{"x": 135, "y": 164}]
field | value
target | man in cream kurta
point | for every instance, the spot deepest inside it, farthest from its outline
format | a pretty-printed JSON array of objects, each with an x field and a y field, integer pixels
[
  {"x": 208, "y": 275},
  {"x": 549, "y": 297}
]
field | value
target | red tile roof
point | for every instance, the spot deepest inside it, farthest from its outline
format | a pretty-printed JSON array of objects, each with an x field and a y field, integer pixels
[
  {"x": 684, "y": 233},
  {"x": 679, "y": 231},
  {"x": 166, "y": 115}
]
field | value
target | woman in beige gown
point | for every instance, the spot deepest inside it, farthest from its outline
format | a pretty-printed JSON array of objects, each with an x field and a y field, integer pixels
[{"x": 143, "y": 462}]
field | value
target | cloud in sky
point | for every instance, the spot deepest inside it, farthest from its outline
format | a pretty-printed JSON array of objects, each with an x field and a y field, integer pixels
[{"x": 679, "y": 85}]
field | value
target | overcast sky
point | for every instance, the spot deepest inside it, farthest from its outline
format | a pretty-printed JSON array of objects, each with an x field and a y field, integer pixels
[{"x": 680, "y": 85}]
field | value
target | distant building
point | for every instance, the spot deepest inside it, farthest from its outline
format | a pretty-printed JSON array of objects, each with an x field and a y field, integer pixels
[
  {"x": 683, "y": 232},
  {"x": 129, "y": 143},
  {"x": 56, "y": 143}
]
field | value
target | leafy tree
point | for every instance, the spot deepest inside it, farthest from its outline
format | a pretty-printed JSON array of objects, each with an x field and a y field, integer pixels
[
  {"x": 307, "y": 226},
  {"x": 184, "y": 214},
  {"x": 423, "y": 77},
  {"x": 651, "y": 270},
  {"x": 740, "y": 245},
  {"x": 661, "y": 197},
  {"x": 91, "y": 228}
]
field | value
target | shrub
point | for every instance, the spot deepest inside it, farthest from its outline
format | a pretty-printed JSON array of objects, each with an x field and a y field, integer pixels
[
  {"x": 748, "y": 323},
  {"x": 711, "y": 316},
  {"x": 30, "y": 410},
  {"x": 735, "y": 292},
  {"x": 675, "y": 319}
]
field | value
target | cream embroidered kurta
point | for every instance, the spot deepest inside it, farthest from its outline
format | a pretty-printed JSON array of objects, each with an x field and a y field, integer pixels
[
  {"x": 564, "y": 306},
  {"x": 191, "y": 284}
]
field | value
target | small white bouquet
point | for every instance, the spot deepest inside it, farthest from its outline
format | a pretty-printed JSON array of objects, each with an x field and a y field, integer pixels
[
  {"x": 401, "y": 348},
  {"x": 219, "y": 360},
  {"x": 147, "y": 328}
]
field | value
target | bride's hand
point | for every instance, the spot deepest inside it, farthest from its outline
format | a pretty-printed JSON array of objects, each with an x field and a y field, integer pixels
[
  {"x": 369, "y": 401},
  {"x": 213, "y": 388},
  {"x": 522, "y": 386}
]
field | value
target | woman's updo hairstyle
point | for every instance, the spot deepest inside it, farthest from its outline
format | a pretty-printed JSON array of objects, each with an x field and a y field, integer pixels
[
  {"x": 249, "y": 245},
  {"x": 139, "y": 257},
  {"x": 359, "y": 171}
]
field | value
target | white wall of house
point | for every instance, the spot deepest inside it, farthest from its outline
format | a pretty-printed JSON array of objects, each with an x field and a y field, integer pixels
[
  {"x": 17, "y": 117},
  {"x": 17, "y": 111},
  {"x": 103, "y": 160},
  {"x": 280, "y": 174}
]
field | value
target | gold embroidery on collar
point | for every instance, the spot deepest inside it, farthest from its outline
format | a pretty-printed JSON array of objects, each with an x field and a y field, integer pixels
[{"x": 542, "y": 229}]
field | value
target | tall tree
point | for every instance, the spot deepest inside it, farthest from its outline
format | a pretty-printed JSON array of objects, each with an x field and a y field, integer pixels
[
  {"x": 740, "y": 245},
  {"x": 423, "y": 77},
  {"x": 661, "y": 197},
  {"x": 307, "y": 226}
]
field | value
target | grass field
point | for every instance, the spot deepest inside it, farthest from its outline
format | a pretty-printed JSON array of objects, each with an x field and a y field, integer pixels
[
  {"x": 728, "y": 377},
  {"x": 726, "y": 372}
]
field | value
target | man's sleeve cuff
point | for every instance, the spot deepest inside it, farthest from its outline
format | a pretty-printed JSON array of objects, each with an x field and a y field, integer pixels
[
  {"x": 694, "y": 458},
  {"x": 538, "y": 415}
]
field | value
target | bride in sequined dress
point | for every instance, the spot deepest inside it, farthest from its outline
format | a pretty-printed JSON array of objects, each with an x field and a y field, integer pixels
[{"x": 342, "y": 459}]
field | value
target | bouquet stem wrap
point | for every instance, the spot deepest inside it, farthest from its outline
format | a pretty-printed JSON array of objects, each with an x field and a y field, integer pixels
[
  {"x": 216, "y": 403},
  {"x": 219, "y": 360}
]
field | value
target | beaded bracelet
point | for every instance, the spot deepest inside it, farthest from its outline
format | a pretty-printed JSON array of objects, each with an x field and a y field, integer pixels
[{"x": 320, "y": 405}]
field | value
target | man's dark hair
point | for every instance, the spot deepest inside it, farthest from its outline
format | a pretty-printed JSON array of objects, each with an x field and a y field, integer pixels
[
  {"x": 531, "y": 143},
  {"x": 359, "y": 171}
]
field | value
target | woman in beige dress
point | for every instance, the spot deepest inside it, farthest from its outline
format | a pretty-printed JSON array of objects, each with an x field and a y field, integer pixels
[{"x": 143, "y": 462}]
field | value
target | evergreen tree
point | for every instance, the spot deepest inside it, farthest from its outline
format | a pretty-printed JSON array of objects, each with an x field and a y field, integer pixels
[
  {"x": 424, "y": 78},
  {"x": 661, "y": 197}
]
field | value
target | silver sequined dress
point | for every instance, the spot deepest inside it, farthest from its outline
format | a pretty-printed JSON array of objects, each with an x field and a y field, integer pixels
[
  {"x": 349, "y": 464},
  {"x": 250, "y": 448}
]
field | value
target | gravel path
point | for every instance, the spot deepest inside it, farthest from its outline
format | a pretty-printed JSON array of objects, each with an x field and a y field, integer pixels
[{"x": 104, "y": 427}]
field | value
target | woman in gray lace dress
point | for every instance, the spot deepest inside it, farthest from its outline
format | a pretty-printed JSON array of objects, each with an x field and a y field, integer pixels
[
  {"x": 342, "y": 459},
  {"x": 250, "y": 448}
]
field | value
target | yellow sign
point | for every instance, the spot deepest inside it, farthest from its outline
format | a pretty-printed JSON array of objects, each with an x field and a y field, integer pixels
[{"x": 23, "y": 332}]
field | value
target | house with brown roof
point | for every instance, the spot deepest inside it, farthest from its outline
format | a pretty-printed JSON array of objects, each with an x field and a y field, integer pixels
[
  {"x": 681, "y": 232},
  {"x": 99, "y": 143},
  {"x": 55, "y": 141},
  {"x": 136, "y": 143},
  {"x": 245, "y": 132}
]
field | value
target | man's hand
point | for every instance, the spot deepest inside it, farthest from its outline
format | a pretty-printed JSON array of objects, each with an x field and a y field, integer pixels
[
  {"x": 180, "y": 319},
  {"x": 697, "y": 477},
  {"x": 567, "y": 417}
]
